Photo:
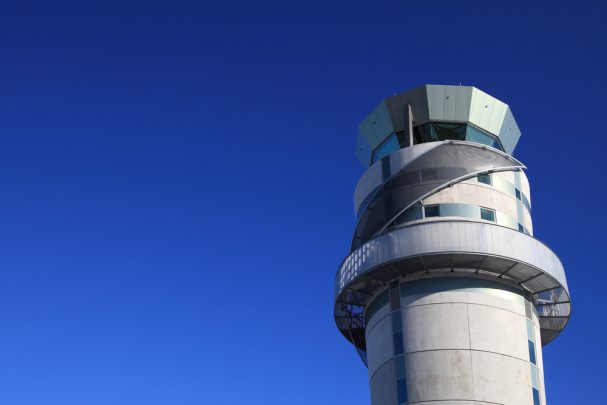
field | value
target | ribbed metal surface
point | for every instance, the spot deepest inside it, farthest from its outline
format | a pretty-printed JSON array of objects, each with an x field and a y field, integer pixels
[
  {"x": 416, "y": 177},
  {"x": 455, "y": 236},
  {"x": 469, "y": 248}
]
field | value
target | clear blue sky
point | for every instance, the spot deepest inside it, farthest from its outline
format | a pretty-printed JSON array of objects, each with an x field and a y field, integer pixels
[{"x": 176, "y": 185}]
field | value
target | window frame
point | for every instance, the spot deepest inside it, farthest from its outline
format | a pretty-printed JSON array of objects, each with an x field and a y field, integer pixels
[
  {"x": 536, "y": 396},
  {"x": 532, "y": 353},
  {"x": 492, "y": 211},
  {"x": 487, "y": 175},
  {"x": 426, "y": 207}
]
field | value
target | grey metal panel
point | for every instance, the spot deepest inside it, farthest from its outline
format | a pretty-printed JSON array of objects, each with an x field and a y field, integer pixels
[
  {"x": 395, "y": 106},
  {"x": 449, "y": 103},
  {"x": 509, "y": 132},
  {"x": 522, "y": 272},
  {"x": 486, "y": 112},
  {"x": 369, "y": 181},
  {"x": 376, "y": 126},
  {"x": 419, "y": 106},
  {"x": 383, "y": 385},
  {"x": 436, "y": 104},
  {"x": 463, "y": 98},
  {"x": 543, "y": 282},
  {"x": 363, "y": 149}
]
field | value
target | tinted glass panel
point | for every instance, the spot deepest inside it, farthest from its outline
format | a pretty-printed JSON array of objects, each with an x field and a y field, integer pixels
[
  {"x": 394, "y": 298},
  {"x": 401, "y": 386},
  {"x": 487, "y": 214},
  {"x": 397, "y": 323},
  {"x": 531, "y": 352},
  {"x": 478, "y": 136},
  {"x": 503, "y": 185},
  {"x": 412, "y": 214},
  {"x": 536, "y": 397},
  {"x": 468, "y": 211},
  {"x": 484, "y": 178},
  {"x": 535, "y": 381},
  {"x": 390, "y": 145},
  {"x": 400, "y": 367},
  {"x": 530, "y": 329},
  {"x": 398, "y": 343},
  {"x": 449, "y": 210},
  {"x": 458, "y": 210},
  {"x": 431, "y": 211},
  {"x": 433, "y": 132},
  {"x": 402, "y": 139},
  {"x": 423, "y": 133},
  {"x": 506, "y": 220},
  {"x": 439, "y": 132},
  {"x": 526, "y": 202},
  {"x": 449, "y": 131}
]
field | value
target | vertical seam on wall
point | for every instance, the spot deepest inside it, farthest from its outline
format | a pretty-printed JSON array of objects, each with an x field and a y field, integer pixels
[
  {"x": 535, "y": 349},
  {"x": 519, "y": 204},
  {"x": 470, "y": 350}
]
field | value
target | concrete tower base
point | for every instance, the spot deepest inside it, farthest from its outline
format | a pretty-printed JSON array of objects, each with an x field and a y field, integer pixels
[{"x": 453, "y": 341}]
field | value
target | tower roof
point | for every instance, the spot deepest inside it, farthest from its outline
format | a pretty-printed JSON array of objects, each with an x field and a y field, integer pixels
[{"x": 438, "y": 104}]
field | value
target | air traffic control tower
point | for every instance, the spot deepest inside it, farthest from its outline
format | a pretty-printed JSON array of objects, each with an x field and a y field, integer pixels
[{"x": 445, "y": 294}]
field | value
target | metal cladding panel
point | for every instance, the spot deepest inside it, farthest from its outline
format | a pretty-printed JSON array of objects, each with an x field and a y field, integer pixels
[
  {"x": 373, "y": 177},
  {"x": 419, "y": 106},
  {"x": 369, "y": 181},
  {"x": 509, "y": 133},
  {"x": 449, "y": 103},
  {"x": 487, "y": 112},
  {"x": 396, "y": 108},
  {"x": 376, "y": 126},
  {"x": 363, "y": 150},
  {"x": 436, "y": 102}
]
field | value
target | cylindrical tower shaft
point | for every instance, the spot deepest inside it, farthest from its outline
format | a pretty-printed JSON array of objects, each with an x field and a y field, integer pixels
[{"x": 453, "y": 339}]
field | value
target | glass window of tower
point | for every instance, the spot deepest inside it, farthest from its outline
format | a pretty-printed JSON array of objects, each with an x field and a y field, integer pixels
[
  {"x": 431, "y": 211},
  {"x": 488, "y": 214},
  {"x": 536, "y": 397},
  {"x": 532, "y": 352},
  {"x": 401, "y": 385},
  {"x": 484, "y": 178},
  {"x": 388, "y": 146},
  {"x": 398, "y": 343},
  {"x": 435, "y": 131},
  {"x": 476, "y": 135}
]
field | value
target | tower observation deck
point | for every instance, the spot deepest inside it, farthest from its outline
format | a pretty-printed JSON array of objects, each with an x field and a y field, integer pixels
[{"x": 445, "y": 294}]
